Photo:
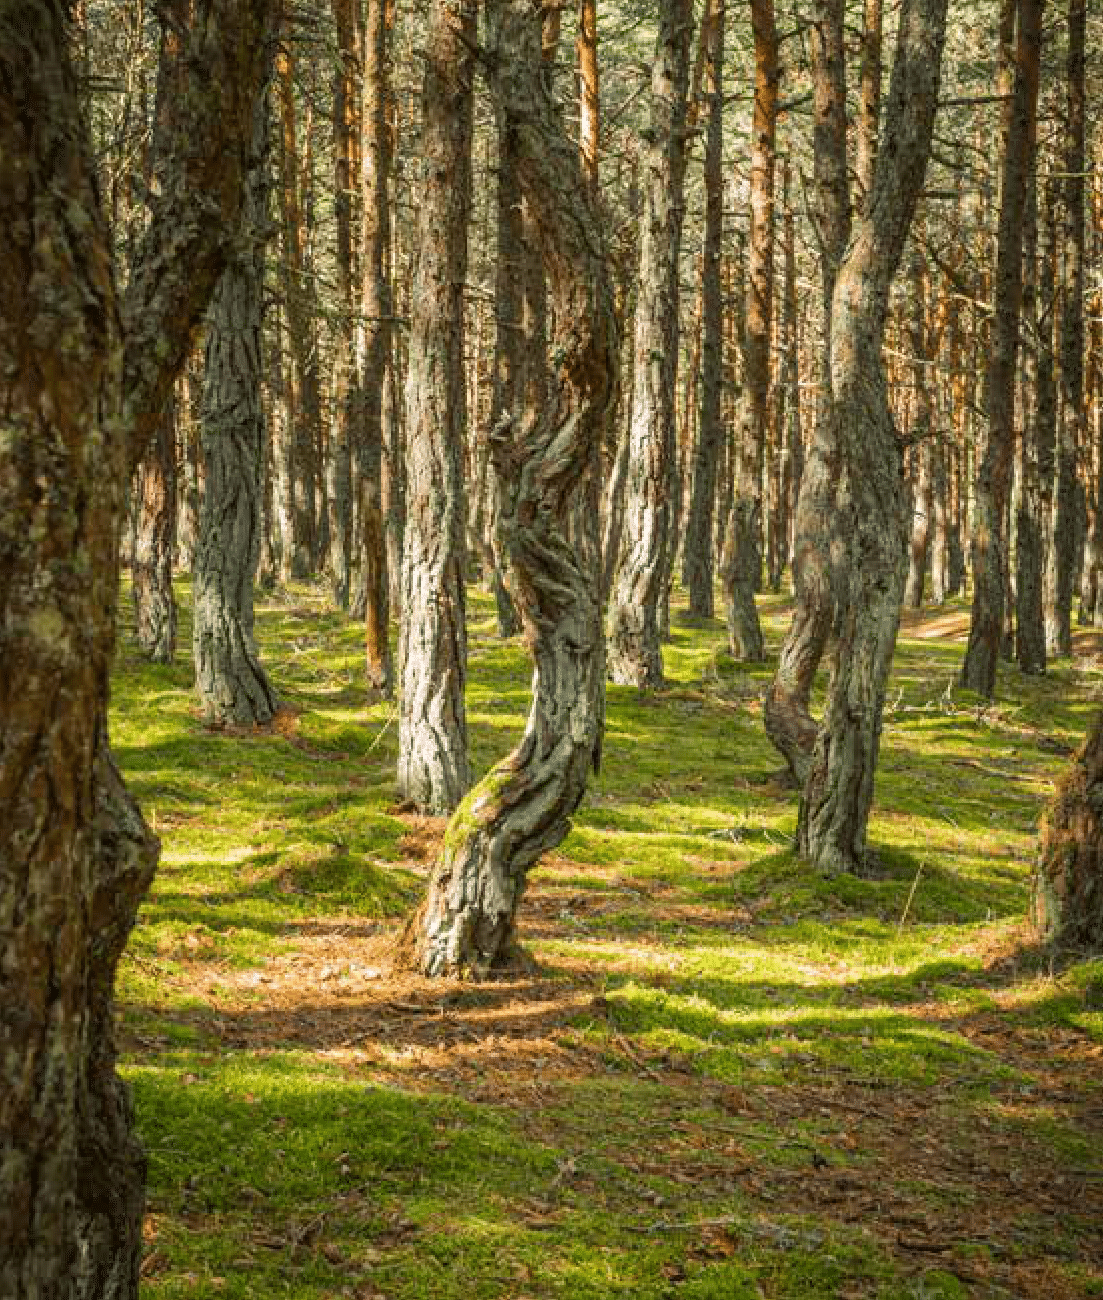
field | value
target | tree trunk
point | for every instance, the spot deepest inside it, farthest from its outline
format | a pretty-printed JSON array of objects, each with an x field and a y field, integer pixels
[
  {"x": 83, "y": 382},
  {"x": 374, "y": 342},
  {"x": 432, "y": 735},
  {"x": 998, "y": 442},
  {"x": 1068, "y": 879},
  {"x": 922, "y": 352},
  {"x": 154, "y": 602},
  {"x": 1037, "y": 440},
  {"x": 789, "y": 723},
  {"x": 523, "y": 807},
  {"x": 743, "y": 558},
  {"x": 871, "y": 499},
  {"x": 698, "y": 564},
  {"x": 635, "y": 649},
  {"x": 1070, "y": 419},
  {"x": 232, "y": 685}
]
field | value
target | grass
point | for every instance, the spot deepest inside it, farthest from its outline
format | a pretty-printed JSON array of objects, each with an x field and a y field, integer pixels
[{"x": 726, "y": 1077}]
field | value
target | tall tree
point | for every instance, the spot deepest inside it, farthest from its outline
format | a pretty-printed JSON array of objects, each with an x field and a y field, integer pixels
[
  {"x": 789, "y": 724},
  {"x": 232, "y": 684},
  {"x": 522, "y": 808},
  {"x": 432, "y": 730},
  {"x": 698, "y": 557},
  {"x": 374, "y": 342},
  {"x": 638, "y": 596},
  {"x": 84, "y": 378},
  {"x": 743, "y": 558},
  {"x": 998, "y": 442},
  {"x": 1070, "y": 420},
  {"x": 871, "y": 500}
]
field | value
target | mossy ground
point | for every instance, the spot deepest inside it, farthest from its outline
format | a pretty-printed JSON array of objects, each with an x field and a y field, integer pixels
[{"x": 726, "y": 1076}]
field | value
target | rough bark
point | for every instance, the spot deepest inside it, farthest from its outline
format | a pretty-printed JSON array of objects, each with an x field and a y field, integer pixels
[
  {"x": 155, "y": 544},
  {"x": 743, "y": 558},
  {"x": 233, "y": 687},
  {"x": 989, "y": 550},
  {"x": 636, "y": 606},
  {"x": 1068, "y": 879},
  {"x": 82, "y": 387},
  {"x": 523, "y": 807},
  {"x": 432, "y": 736},
  {"x": 1036, "y": 442},
  {"x": 920, "y": 340},
  {"x": 374, "y": 342},
  {"x": 789, "y": 724},
  {"x": 1071, "y": 416},
  {"x": 698, "y": 565},
  {"x": 871, "y": 499},
  {"x": 588, "y": 91},
  {"x": 869, "y": 100}
]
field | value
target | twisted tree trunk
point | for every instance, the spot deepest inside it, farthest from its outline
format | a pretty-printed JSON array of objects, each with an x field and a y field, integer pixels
[{"x": 523, "y": 806}]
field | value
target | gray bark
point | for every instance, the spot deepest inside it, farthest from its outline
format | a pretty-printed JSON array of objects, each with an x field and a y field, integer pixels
[
  {"x": 871, "y": 498},
  {"x": 155, "y": 544},
  {"x": 636, "y": 605},
  {"x": 523, "y": 807},
  {"x": 233, "y": 687},
  {"x": 432, "y": 730}
]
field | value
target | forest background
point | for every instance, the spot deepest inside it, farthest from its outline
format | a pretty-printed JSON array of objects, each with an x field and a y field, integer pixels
[{"x": 857, "y": 346}]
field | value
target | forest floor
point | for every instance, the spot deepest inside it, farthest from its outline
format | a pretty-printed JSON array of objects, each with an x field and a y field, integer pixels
[{"x": 721, "y": 1075}]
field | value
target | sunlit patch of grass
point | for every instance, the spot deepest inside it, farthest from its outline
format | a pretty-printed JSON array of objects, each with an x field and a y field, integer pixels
[{"x": 713, "y": 965}]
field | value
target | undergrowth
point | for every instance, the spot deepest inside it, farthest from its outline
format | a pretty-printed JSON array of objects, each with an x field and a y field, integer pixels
[{"x": 726, "y": 1076}]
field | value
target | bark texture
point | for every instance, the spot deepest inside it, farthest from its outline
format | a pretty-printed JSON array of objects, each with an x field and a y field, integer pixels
[
  {"x": 1068, "y": 880},
  {"x": 155, "y": 544},
  {"x": 523, "y": 807},
  {"x": 789, "y": 723},
  {"x": 80, "y": 394},
  {"x": 998, "y": 443},
  {"x": 743, "y": 558},
  {"x": 233, "y": 687},
  {"x": 638, "y": 595},
  {"x": 871, "y": 499},
  {"x": 432, "y": 728},
  {"x": 698, "y": 563}
]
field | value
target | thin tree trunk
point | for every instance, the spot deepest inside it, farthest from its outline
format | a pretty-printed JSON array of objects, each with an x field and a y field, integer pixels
[
  {"x": 523, "y": 807},
  {"x": 998, "y": 443},
  {"x": 374, "y": 345},
  {"x": 743, "y": 559},
  {"x": 1070, "y": 419},
  {"x": 635, "y": 649},
  {"x": 698, "y": 566},
  {"x": 432, "y": 735}
]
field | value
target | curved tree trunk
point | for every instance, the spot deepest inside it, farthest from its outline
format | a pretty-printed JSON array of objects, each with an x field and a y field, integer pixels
[
  {"x": 523, "y": 807},
  {"x": 233, "y": 687},
  {"x": 154, "y": 602},
  {"x": 1068, "y": 880},
  {"x": 789, "y": 724},
  {"x": 871, "y": 499},
  {"x": 432, "y": 728},
  {"x": 743, "y": 550},
  {"x": 636, "y": 606}
]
